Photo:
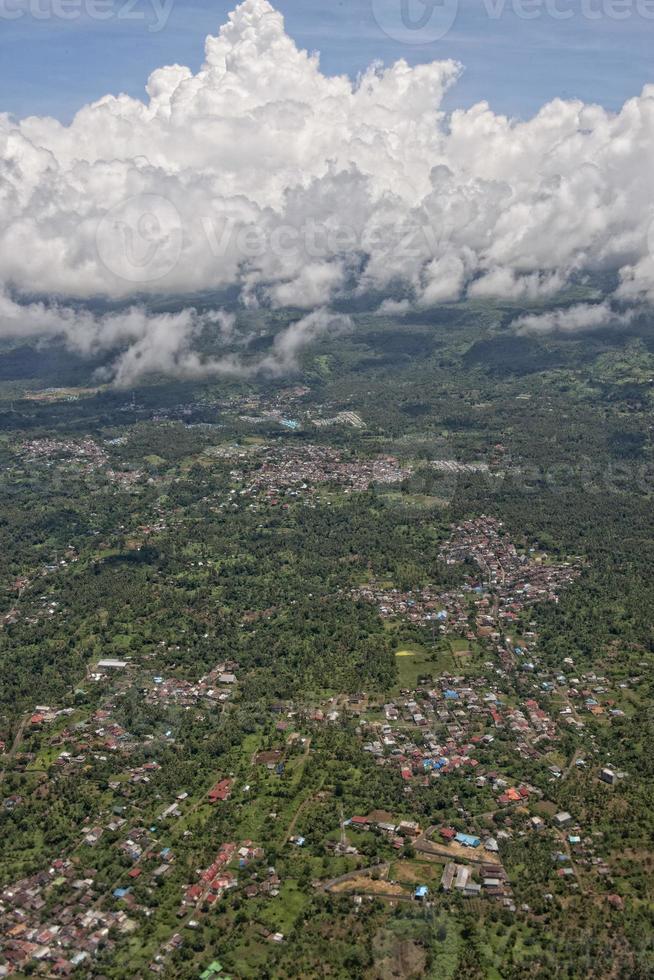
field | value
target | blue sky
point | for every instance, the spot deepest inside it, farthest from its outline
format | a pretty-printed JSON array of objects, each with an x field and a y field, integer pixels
[{"x": 53, "y": 66}]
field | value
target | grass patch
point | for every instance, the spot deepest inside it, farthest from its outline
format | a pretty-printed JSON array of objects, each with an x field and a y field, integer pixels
[{"x": 414, "y": 661}]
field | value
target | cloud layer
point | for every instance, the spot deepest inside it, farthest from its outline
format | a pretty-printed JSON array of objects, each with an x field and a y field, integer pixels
[
  {"x": 260, "y": 172},
  {"x": 164, "y": 343}
]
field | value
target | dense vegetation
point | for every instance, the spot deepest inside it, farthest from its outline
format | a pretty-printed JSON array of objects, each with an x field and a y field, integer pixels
[{"x": 147, "y": 553}]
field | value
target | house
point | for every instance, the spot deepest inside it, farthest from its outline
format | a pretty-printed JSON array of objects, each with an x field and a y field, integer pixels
[
  {"x": 562, "y": 819},
  {"x": 467, "y": 840},
  {"x": 62, "y": 968},
  {"x": 447, "y": 833},
  {"x": 608, "y": 776},
  {"x": 221, "y": 791},
  {"x": 448, "y": 876},
  {"x": 171, "y": 811},
  {"x": 386, "y": 828},
  {"x": 212, "y": 970},
  {"x": 421, "y": 892},
  {"x": 511, "y": 795},
  {"x": 408, "y": 828},
  {"x": 462, "y": 875}
]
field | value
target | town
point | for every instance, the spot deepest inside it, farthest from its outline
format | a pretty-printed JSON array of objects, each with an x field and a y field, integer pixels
[{"x": 445, "y": 727}]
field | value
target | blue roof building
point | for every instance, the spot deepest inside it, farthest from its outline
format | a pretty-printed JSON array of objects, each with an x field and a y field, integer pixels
[{"x": 468, "y": 840}]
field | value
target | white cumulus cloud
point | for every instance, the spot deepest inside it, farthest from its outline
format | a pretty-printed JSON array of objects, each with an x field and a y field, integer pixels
[
  {"x": 573, "y": 319},
  {"x": 262, "y": 173}
]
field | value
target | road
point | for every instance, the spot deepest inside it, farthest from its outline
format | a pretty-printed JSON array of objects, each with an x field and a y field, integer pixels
[
  {"x": 423, "y": 845},
  {"x": 305, "y": 802},
  {"x": 566, "y": 847},
  {"x": 383, "y": 869},
  {"x": 18, "y": 737}
]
